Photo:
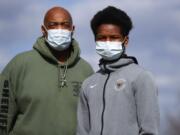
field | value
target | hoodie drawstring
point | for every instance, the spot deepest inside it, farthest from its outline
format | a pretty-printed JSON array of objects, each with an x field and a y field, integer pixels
[{"x": 62, "y": 71}]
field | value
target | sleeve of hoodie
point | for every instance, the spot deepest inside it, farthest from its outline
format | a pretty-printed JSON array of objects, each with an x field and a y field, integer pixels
[
  {"x": 83, "y": 115},
  {"x": 146, "y": 97},
  {"x": 8, "y": 106}
]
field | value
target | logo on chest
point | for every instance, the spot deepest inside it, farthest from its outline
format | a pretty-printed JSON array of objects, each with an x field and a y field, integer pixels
[
  {"x": 120, "y": 84},
  {"x": 76, "y": 88}
]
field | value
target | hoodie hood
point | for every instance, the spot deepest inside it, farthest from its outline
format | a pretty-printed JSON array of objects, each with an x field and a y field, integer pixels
[
  {"x": 111, "y": 66},
  {"x": 42, "y": 47}
]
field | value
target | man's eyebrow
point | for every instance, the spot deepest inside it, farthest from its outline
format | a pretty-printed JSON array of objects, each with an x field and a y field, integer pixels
[
  {"x": 65, "y": 21},
  {"x": 56, "y": 22}
]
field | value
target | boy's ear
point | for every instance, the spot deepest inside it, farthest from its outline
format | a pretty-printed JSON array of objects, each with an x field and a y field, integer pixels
[{"x": 126, "y": 41}]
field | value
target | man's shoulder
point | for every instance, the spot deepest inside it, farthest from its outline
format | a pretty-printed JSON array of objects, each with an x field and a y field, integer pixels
[
  {"x": 85, "y": 66},
  {"x": 19, "y": 60},
  {"x": 25, "y": 54},
  {"x": 83, "y": 61}
]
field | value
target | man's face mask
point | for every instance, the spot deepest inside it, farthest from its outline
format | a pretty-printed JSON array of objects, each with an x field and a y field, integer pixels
[
  {"x": 110, "y": 50},
  {"x": 59, "y": 39}
]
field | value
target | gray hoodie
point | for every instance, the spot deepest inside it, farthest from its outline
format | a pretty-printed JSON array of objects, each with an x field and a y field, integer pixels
[{"x": 120, "y": 99}]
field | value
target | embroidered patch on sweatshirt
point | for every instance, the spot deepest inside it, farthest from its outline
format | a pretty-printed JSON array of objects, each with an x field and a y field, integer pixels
[{"x": 120, "y": 84}]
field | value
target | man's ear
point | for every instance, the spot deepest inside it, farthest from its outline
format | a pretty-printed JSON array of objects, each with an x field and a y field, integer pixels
[
  {"x": 43, "y": 30},
  {"x": 73, "y": 29}
]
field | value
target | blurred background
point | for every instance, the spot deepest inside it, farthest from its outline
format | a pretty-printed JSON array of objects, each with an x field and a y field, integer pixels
[{"x": 154, "y": 40}]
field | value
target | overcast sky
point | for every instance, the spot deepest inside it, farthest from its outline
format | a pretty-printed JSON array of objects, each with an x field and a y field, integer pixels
[{"x": 154, "y": 40}]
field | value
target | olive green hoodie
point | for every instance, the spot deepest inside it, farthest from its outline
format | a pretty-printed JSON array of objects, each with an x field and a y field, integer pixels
[{"x": 37, "y": 103}]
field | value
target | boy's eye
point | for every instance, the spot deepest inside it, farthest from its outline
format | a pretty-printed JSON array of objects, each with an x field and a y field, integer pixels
[{"x": 101, "y": 38}]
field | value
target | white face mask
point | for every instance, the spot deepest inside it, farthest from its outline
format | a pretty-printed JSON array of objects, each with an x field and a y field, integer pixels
[
  {"x": 59, "y": 39},
  {"x": 109, "y": 50}
]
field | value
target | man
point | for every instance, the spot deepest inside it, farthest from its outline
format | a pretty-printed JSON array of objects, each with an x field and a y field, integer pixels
[
  {"x": 44, "y": 83},
  {"x": 121, "y": 98}
]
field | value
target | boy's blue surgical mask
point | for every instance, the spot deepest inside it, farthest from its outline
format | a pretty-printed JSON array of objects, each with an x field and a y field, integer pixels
[{"x": 109, "y": 50}]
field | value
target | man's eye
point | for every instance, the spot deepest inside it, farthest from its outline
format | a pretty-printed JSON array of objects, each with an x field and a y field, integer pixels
[
  {"x": 53, "y": 24},
  {"x": 66, "y": 24}
]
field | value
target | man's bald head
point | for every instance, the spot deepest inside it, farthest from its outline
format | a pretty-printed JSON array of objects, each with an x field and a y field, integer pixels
[
  {"x": 57, "y": 18},
  {"x": 57, "y": 14}
]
